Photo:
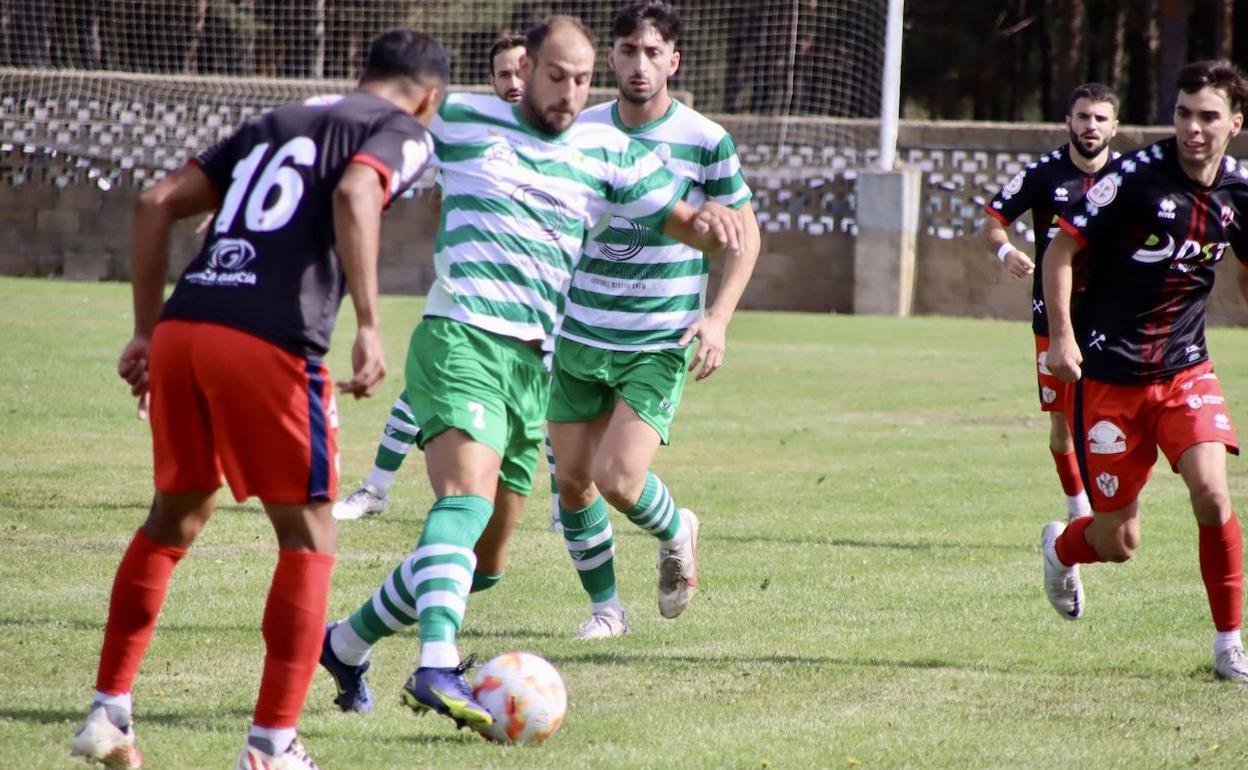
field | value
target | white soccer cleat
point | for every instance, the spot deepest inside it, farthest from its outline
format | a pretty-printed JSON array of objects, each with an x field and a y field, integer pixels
[
  {"x": 1061, "y": 583},
  {"x": 602, "y": 625},
  {"x": 678, "y": 571},
  {"x": 99, "y": 740},
  {"x": 295, "y": 757},
  {"x": 364, "y": 501},
  {"x": 1231, "y": 664}
]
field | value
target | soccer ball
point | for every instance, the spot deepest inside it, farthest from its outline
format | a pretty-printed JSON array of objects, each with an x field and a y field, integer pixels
[{"x": 524, "y": 694}]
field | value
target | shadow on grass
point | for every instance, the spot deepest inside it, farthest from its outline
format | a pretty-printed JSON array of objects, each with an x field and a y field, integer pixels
[
  {"x": 845, "y": 542},
  {"x": 50, "y": 716}
]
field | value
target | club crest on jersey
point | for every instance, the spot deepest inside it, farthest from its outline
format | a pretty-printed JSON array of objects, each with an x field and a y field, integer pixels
[
  {"x": 1165, "y": 209},
  {"x": 1105, "y": 438},
  {"x": 1103, "y": 192},
  {"x": 1013, "y": 186},
  {"x": 500, "y": 150},
  {"x": 1108, "y": 484}
]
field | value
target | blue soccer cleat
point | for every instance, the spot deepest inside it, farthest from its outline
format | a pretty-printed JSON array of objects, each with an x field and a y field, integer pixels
[
  {"x": 444, "y": 691},
  {"x": 353, "y": 692}
]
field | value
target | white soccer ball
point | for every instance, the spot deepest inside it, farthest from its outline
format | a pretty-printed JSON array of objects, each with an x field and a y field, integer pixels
[{"x": 524, "y": 694}]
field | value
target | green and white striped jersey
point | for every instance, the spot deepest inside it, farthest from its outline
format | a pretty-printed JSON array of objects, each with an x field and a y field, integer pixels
[
  {"x": 516, "y": 205},
  {"x": 634, "y": 288}
]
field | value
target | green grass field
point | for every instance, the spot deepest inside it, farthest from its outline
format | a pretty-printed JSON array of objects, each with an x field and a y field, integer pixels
[{"x": 871, "y": 491}]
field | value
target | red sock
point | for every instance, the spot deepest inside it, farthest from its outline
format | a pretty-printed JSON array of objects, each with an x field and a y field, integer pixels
[
  {"x": 294, "y": 625},
  {"x": 1222, "y": 567},
  {"x": 138, "y": 592},
  {"x": 1068, "y": 471},
  {"x": 1072, "y": 545}
]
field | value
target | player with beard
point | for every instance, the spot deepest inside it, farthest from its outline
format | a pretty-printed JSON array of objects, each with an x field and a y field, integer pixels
[
  {"x": 1045, "y": 187},
  {"x": 635, "y": 304},
  {"x": 1148, "y": 235},
  {"x": 521, "y": 187},
  {"x": 505, "y": 56}
]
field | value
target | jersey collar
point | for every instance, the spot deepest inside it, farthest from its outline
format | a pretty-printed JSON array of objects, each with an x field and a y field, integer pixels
[{"x": 644, "y": 127}]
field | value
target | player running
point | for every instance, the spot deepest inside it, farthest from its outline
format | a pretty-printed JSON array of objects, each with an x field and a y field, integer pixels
[
  {"x": 1045, "y": 188},
  {"x": 635, "y": 304},
  {"x": 1151, "y": 231},
  {"x": 233, "y": 365},
  {"x": 521, "y": 185}
]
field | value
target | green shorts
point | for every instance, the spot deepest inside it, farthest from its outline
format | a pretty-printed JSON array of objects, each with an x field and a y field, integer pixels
[
  {"x": 491, "y": 387},
  {"x": 585, "y": 382}
]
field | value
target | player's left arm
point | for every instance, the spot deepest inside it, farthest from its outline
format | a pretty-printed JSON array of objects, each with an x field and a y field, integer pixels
[
  {"x": 710, "y": 228},
  {"x": 711, "y": 330},
  {"x": 182, "y": 194},
  {"x": 358, "y": 203}
]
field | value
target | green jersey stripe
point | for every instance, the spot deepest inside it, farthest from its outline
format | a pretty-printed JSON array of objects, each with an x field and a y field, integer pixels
[{"x": 673, "y": 304}]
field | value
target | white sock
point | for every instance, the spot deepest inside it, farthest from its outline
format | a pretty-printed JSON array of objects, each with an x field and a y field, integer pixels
[
  {"x": 271, "y": 740},
  {"x": 682, "y": 533},
  {"x": 438, "y": 655},
  {"x": 118, "y": 708},
  {"x": 1225, "y": 639},
  {"x": 380, "y": 480},
  {"x": 1078, "y": 505},
  {"x": 347, "y": 644},
  {"x": 610, "y": 606}
]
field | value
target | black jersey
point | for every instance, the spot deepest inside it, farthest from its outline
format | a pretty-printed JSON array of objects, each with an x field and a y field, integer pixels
[
  {"x": 1045, "y": 188},
  {"x": 1151, "y": 238},
  {"x": 268, "y": 266}
]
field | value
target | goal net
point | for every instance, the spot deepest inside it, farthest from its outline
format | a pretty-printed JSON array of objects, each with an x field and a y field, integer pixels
[{"x": 138, "y": 85}]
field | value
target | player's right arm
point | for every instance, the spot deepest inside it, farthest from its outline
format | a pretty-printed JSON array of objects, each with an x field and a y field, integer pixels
[
  {"x": 1011, "y": 202},
  {"x": 182, "y": 194},
  {"x": 996, "y": 238},
  {"x": 358, "y": 202},
  {"x": 1063, "y": 357}
]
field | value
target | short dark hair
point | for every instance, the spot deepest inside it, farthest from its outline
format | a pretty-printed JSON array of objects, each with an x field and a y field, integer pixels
[
  {"x": 666, "y": 20},
  {"x": 404, "y": 52},
  {"x": 1217, "y": 73},
  {"x": 504, "y": 43},
  {"x": 536, "y": 36},
  {"x": 1093, "y": 92}
]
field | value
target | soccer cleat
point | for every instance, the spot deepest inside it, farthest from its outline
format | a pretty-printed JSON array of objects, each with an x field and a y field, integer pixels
[
  {"x": 1061, "y": 583},
  {"x": 602, "y": 625},
  {"x": 353, "y": 692},
  {"x": 678, "y": 571},
  {"x": 295, "y": 757},
  {"x": 1231, "y": 664},
  {"x": 99, "y": 740},
  {"x": 365, "y": 501},
  {"x": 444, "y": 691}
]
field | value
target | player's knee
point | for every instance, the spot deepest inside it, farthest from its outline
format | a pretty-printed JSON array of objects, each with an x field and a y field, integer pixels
[
  {"x": 620, "y": 487},
  {"x": 1211, "y": 505}
]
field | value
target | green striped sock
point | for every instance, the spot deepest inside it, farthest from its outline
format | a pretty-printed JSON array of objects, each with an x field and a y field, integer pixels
[
  {"x": 397, "y": 439},
  {"x": 431, "y": 585},
  {"x": 591, "y": 544},
  {"x": 655, "y": 512}
]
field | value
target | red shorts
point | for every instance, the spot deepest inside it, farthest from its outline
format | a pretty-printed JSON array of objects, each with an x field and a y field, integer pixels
[
  {"x": 1054, "y": 393},
  {"x": 227, "y": 403},
  {"x": 1119, "y": 427}
]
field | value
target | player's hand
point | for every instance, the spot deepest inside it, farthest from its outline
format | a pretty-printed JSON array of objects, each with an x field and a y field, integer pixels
[
  {"x": 1019, "y": 264},
  {"x": 368, "y": 364},
  {"x": 723, "y": 223},
  {"x": 712, "y": 335},
  {"x": 132, "y": 365},
  {"x": 1064, "y": 359}
]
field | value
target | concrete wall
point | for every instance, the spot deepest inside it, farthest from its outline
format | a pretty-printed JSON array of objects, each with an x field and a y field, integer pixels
[{"x": 59, "y": 221}]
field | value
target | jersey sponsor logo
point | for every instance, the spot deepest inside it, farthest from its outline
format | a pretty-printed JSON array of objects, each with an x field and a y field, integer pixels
[
  {"x": 322, "y": 100},
  {"x": 1060, "y": 195},
  {"x": 1221, "y": 421},
  {"x": 1105, "y": 438},
  {"x": 1103, "y": 192},
  {"x": 1107, "y": 483},
  {"x": 1195, "y": 402},
  {"x": 226, "y": 260},
  {"x": 548, "y": 217},
  {"x": 1165, "y": 209},
  {"x": 1150, "y": 254},
  {"x": 632, "y": 235},
  {"x": 1193, "y": 352},
  {"x": 1013, "y": 186}
]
